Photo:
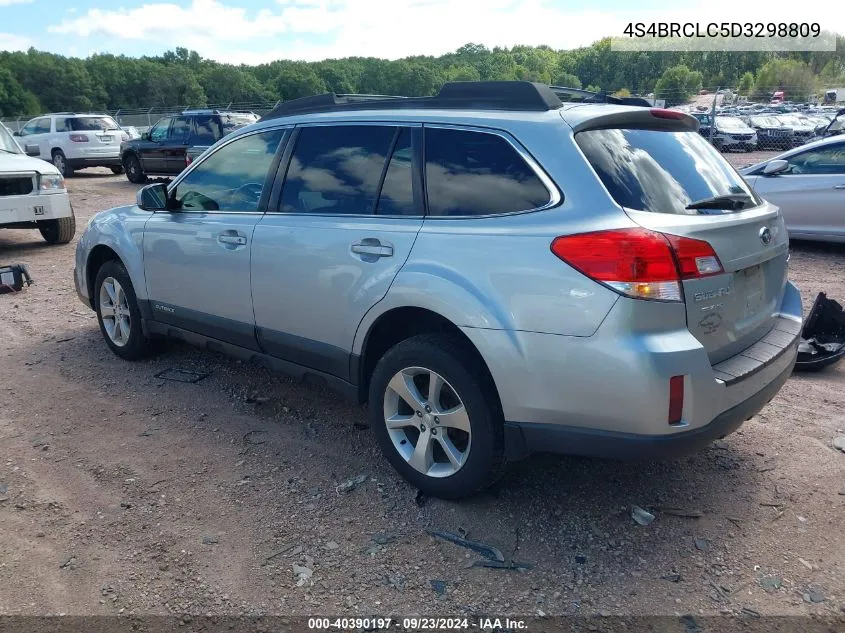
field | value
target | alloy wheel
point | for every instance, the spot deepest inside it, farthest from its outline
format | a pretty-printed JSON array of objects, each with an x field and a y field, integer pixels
[
  {"x": 431, "y": 432},
  {"x": 114, "y": 310}
]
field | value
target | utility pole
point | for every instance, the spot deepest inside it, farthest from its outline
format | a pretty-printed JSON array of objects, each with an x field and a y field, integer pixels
[{"x": 713, "y": 115}]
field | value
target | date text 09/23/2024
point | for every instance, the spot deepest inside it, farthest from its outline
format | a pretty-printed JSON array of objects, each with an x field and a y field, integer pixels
[{"x": 416, "y": 624}]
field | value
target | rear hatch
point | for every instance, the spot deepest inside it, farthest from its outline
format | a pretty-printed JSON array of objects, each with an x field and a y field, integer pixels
[
  {"x": 672, "y": 181},
  {"x": 103, "y": 134}
]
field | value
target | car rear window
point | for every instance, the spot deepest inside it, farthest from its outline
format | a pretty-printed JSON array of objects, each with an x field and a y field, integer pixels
[
  {"x": 658, "y": 171},
  {"x": 91, "y": 124},
  {"x": 232, "y": 122}
]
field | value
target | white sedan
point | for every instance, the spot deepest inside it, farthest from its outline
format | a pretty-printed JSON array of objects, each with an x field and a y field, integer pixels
[{"x": 808, "y": 184}]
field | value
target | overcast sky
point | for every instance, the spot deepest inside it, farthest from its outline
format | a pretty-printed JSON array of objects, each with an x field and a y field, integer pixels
[{"x": 249, "y": 31}]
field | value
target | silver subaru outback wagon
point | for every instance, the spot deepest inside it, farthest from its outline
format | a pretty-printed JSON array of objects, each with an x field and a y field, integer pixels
[{"x": 494, "y": 271}]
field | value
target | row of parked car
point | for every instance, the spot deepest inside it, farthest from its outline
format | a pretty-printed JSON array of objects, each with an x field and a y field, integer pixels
[
  {"x": 766, "y": 130},
  {"x": 74, "y": 141}
]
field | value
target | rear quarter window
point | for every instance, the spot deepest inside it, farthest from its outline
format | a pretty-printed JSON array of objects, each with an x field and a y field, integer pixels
[
  {"x": 659, "y": 171},
  {"x": 91, "y": 124},
  {"x": 471, "y": 173}
]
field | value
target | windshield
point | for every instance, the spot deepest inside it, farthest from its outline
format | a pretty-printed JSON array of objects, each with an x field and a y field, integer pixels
[
  {"x": 662, "y": 172},
  {"x": 7, "y": 142},
  {"x": 730, "y": 123},
  {"x": 92, "y": 124}
]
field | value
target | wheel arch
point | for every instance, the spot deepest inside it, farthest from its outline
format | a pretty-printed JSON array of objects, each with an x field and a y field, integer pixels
[
  {"x": 129, "y": 255},
  {"x": 127, "y": 153},
  {"x": 401, "y": 323},
  {"x": 98, "y": 256}
]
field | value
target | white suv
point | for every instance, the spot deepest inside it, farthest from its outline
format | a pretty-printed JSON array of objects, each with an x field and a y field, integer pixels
[
  {"x": 32, "y": 193},
  {"x": 74, "y": 141}
]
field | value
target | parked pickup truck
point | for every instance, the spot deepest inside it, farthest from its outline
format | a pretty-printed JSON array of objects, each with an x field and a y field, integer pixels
[
  {"x": 163, "y": 150},
  {"x": 32, "y": 193}
]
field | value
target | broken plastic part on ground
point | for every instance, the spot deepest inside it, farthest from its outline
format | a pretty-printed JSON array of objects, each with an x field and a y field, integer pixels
[{"x": 823, "y": 336}]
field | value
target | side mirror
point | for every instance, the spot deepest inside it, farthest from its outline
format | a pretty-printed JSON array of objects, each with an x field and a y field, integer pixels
[
  {"x": 145, "y": 136},
  {"x": 152, "y": 197},
  {"x": 774, "y": 167},
  {"x": 32, "y": 150},
  {"x": 16, "y": 133}
]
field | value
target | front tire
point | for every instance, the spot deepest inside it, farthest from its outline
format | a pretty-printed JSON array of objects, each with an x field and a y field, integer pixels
[
  {"x": 436, "y": 415},
  {"x": 58, "y": 231},
  {"x": 118, "y": 313},
  {"x": 134, "y": 172}
]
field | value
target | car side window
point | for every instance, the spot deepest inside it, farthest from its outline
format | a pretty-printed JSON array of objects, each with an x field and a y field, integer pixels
[
  {"x": 158, "y": 133},
  {"x": 61, "y": 125},
  {"x": 828, "y": 160},
  {"x": 42, "y": 126},
  {"x": 472, "y": 173},
  {"x": 232, "y": 178},
  {"x": 180, "y": 131},
  {"x": 336, "y": 169},
  {"x": 29, "y": 128},
  {"x": 397, "y": 191},
  {"x": 208, "y": 130}
]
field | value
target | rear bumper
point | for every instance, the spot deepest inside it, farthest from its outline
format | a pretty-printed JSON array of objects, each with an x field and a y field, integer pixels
[
  {"x": 524, "y": 439},
  {"x": 94, "y": 161}
]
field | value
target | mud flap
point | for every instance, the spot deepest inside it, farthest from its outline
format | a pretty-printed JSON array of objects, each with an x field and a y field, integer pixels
[{"x": 823, "y": 336}]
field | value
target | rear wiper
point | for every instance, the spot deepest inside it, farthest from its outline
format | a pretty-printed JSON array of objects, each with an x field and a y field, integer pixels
[{"x": 732, "y": 201}]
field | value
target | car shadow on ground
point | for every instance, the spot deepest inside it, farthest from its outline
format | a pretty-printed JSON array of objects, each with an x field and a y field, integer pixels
[
  {"x": 92, "y": 175},
  {"x": 546, "y": 510},
  {"x": 809, "y": 246},
  {"x": 35, "y": 243}
]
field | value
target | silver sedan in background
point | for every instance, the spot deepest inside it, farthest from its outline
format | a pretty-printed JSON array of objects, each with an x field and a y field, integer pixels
[{"x": 808, "y": 184}]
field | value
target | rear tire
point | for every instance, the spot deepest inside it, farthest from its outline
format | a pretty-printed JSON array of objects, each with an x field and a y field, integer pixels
[
  {"x": 58, "y": 231},
  {"x": 134, "y": 171},
  {"x": 117, "y": 311},
  {"x": 60, "y": 163},
  {"x": 469, "y": 427}
]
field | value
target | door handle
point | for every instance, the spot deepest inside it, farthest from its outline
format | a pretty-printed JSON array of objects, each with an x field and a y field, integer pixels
[
  {"x": 839, "y": 186},
  {"x": 237, "y": 240},
  {"x": 372, "y": 247}
]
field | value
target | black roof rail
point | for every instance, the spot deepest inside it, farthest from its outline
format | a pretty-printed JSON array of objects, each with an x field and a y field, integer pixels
[
  {"x": 579, "y": 95},
  {"x": 474, "y": 95}
]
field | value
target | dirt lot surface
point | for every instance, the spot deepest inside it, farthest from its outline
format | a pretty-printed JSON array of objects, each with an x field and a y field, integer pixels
[{"x": 124, "y": 493}]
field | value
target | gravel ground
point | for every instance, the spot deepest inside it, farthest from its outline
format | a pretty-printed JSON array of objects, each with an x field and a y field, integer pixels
[{"x": 124, "y": 493}]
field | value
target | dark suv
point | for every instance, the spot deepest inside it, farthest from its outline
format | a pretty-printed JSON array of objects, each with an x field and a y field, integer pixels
[{"x": 162, "y": 151}]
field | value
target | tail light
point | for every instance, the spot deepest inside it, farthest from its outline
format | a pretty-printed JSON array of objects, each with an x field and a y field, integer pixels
[
  {"x": 638, "y": 262},
  {"x": 124, "y": 137},
  {"x": 662, "y": 113},
  {"x": 188, "y": 160},
  {"x": 79, "y": 138}
]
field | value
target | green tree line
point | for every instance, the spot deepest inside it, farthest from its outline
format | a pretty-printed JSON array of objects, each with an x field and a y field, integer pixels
[{"x": 33, "y": 82}]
